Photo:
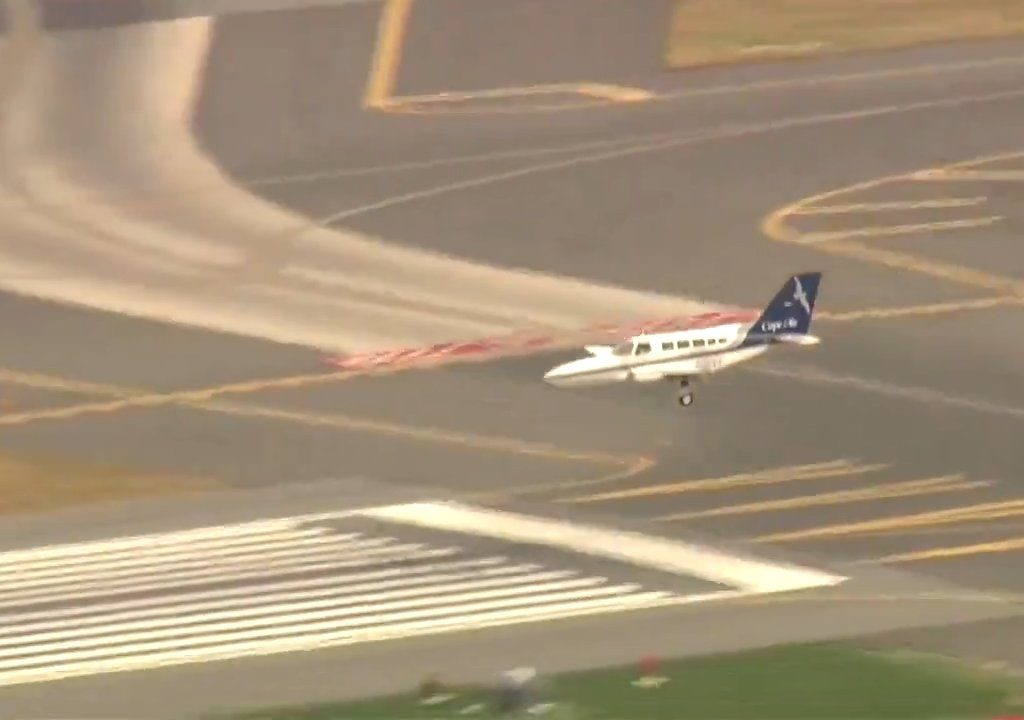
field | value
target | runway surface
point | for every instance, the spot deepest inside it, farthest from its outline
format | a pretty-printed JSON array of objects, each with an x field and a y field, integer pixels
[{"x": 887, "y": 454}]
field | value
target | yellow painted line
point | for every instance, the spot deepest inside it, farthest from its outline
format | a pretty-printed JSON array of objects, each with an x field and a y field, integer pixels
[
  {"x": 615, "y": 93},
  {"x": 996, "y": 510},
  {"x": 885, "y": 206},
  {"x": 639, "y": 465},
  {"x": 50, "y": 382},
  {"x": 814, "y": 238},
  {"x": 414, "y": 432},
  {"x": 440, "y": 108},
  {"x": 775, "y": 227},
  {"x": 610, "y": 93},
  {"x": 973, "y": 175},
  {"x": 186, "y": 397},
  {"x": 938, "y": 269},
  {"x": 997, "y": 546},
  {"x": 919, "y": 310},
  {"x": 910, "y": 488},
  {"x": 387, "y": 56},
  {"x": 489, "y": 94},
  {"x": 203, "y": 399},
  {"x": 983, "y": 526},
  {"x": 816, "y": 471}
]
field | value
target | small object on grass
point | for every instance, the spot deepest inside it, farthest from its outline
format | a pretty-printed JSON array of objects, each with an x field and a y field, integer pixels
[
  {"x": 432, "y": 692},
  {"x": 514, "y": 691},
  {"x": 649, "y": 673}
]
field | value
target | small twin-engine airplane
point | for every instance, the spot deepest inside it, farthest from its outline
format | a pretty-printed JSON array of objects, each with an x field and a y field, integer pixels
[{"x": 685, "y": 355}]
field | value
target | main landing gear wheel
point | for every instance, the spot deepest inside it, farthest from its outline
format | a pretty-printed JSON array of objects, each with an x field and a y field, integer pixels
[{"x": 685, "y": 396}]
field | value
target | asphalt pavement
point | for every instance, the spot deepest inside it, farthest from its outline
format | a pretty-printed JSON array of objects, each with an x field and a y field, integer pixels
[{"x": 888, "y": 451}]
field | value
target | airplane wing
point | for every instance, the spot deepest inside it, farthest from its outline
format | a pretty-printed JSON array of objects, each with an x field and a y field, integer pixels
[{"x": 689, "y": 369}]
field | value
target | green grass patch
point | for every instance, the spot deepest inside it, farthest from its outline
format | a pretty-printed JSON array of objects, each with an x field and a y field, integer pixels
[
  {"x": 722, "y": 31},
  {"x": 794, "y": 682}
]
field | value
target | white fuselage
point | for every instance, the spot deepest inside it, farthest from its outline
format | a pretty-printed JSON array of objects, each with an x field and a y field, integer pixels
[{"x": 647, "y": 358}]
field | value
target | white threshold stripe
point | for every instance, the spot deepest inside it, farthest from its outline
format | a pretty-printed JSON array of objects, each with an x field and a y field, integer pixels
[
  {"x": 252, "y": 595},
  {"x": 211, "y": 623},
  {"x": 327, "y": 622},
  {"x": 193, "y": 557},
  {"x": 329, "y": 638},
  {"x": 642, "y": 550},
  {"x": 419, "y": 573},
  {"x": 201, "y": 567},
  {"x": 135, "y": 542},
  {"x": 160, "y": 553},
  {"x": 177, "y": 582}
]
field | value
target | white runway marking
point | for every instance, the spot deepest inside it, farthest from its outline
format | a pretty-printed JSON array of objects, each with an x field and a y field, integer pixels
[
  {"x": 746, "y": 574},
  {"x": 300, "y": 583}
]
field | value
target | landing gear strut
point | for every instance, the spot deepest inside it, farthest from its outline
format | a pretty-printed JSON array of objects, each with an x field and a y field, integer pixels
[{"x": 685, "y": 394}]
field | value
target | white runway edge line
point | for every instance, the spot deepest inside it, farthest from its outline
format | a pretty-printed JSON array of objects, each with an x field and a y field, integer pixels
[{"x": 744, "y": 574}]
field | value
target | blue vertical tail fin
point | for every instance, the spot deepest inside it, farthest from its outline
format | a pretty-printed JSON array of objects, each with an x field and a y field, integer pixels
[{"x": 790, "y": 311}]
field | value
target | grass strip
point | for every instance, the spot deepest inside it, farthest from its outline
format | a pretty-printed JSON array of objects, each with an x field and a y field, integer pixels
[
  {"x": 827, "y": 681},
  {"x": 705, "y": 32}
]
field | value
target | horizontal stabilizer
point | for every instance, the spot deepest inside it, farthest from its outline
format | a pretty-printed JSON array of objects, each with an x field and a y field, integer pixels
[{"x": 797, "y": 339}]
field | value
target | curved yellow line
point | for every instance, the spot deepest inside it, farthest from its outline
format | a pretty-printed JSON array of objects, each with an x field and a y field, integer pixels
[{"x": 775, "y": 227}]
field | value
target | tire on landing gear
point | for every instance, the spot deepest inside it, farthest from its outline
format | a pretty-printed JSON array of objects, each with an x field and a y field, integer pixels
[{"x": 685, "y": 396}]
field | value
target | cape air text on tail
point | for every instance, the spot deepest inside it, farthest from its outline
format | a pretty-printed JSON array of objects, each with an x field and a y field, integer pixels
[{"x": 684, "y": 356}]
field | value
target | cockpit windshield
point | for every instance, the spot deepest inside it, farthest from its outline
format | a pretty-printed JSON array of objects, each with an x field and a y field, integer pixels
[{"x": 624, "y": 348}]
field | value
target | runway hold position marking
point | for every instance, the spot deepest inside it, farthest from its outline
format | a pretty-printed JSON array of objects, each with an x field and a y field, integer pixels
[{"x": 308, "y": 582}]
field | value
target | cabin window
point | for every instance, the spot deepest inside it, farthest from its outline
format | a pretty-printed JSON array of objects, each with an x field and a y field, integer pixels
[
  {"x": 643, "y": 348},
  {"x": 625, "y": 348},
  {"x": 683, "y": 344},
  {"x": 666, "y": 346},
  {"x": 698, "y": 343},
  {"x": 721, "y": 340}
]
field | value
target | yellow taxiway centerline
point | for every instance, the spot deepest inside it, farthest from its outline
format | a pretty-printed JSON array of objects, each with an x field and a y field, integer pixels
[
  {"x": 994, "y": 510},
  {"x": 818, "y": 238},
  {"x": 910, "y": 488},
  {"x": 996, "y": 546},
  {"x": 387, "y": 55},
  {"x": 815, "y": 471},
  {"x": 203, "y": 399},
  {"x": 888, "y": 206}
]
